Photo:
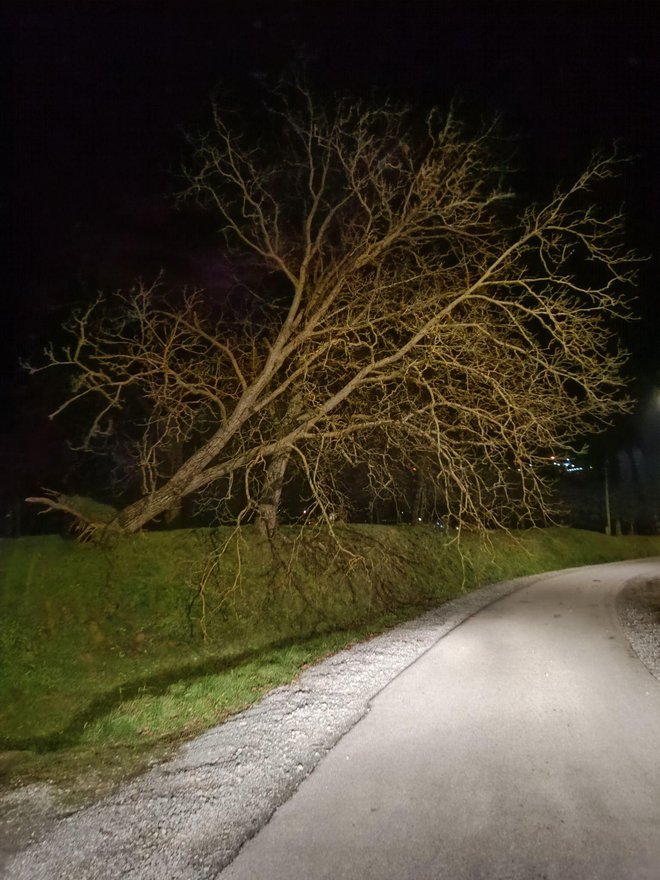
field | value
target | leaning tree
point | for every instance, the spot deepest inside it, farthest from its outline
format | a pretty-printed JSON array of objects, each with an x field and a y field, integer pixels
[{"x": 407, "y": 310}]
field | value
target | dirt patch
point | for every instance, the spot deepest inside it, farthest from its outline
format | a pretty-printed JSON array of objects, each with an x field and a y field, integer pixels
[
  {"x": 29, "y": 811},
  {"x": 26, "y": 815}
]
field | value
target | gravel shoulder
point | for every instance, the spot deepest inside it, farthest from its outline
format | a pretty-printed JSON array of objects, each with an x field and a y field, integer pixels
[
  {"x": 638, "y": 608},
  {"x": 189, "y": 817}
]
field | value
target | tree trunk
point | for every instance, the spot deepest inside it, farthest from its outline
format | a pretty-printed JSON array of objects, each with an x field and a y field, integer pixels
[
  {"x": 419, "y": 500},
  {"x": 174, "y": 454},
  {"x": 269, "y": 502},
  {"x": 132, "y": 518}
]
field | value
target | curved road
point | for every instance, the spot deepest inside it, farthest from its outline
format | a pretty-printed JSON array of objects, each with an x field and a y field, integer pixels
[{"x": 524, "y": 744}]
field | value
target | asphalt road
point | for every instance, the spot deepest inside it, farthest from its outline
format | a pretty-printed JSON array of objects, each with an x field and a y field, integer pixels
[{"x": 524, "y": 744}]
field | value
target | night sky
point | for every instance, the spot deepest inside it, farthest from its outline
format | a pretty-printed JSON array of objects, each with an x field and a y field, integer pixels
[{"x": 100, "y": 95}]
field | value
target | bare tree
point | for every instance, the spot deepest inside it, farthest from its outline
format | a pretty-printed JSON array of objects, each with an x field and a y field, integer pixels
[{"x": 418, "y": 317}]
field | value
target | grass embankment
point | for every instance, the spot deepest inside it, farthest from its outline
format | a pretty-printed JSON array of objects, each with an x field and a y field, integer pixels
[{"x": 112, "y": 654}]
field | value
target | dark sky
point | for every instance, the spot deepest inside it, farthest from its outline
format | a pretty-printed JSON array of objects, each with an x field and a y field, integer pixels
[{"x": 100, "y": 92}]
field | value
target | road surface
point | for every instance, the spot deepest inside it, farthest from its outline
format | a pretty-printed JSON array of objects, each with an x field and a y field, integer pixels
[{"x": 524, "y": 744}]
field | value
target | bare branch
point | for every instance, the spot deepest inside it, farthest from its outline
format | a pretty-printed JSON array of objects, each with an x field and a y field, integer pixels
[{"x": 425, "y": 328}]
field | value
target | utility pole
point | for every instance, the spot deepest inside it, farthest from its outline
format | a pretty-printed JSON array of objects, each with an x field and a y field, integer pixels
[{"x": 608, "y": 520}]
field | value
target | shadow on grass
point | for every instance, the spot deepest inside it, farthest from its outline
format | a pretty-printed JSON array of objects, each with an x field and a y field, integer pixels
[{"x": 153, "y": 685}]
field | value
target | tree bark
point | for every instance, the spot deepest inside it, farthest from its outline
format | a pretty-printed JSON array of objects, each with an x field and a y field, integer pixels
[
  {"x": 174, "y": 453},
  {"x": 418, "y": 510},
  {"x": 269, "y": 502}
]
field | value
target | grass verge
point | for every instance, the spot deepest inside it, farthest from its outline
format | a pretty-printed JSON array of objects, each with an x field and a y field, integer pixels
[{"x": 112, "y": 655}]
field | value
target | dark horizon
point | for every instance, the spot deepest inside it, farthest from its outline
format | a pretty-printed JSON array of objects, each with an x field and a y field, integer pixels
[{"x": 100, "y": 96}]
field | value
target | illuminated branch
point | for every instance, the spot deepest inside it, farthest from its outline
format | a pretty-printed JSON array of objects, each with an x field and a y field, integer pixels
[{"x": 424, "y": 327}]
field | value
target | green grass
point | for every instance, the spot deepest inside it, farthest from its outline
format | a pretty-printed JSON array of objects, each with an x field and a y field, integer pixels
[{"x": 109, "y": 658}]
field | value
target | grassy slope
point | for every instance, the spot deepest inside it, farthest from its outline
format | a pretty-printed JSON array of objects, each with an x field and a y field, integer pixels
[{"x": 102, "y": 649}]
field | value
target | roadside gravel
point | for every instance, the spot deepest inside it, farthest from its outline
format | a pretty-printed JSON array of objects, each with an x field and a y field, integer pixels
[
  {"x": 187, "y": 818},
  {"x": 638, "y": 606}
]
